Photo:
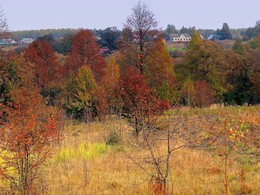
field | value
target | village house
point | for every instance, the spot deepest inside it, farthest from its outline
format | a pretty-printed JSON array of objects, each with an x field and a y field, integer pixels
[
  {"x": 7, "y": 42},
  {"x": 26, "y": 41},
  {"x": 180, "y": 38}
]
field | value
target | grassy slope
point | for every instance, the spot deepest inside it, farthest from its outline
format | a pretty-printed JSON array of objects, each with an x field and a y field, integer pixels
[{"x": 84, "y": 164}]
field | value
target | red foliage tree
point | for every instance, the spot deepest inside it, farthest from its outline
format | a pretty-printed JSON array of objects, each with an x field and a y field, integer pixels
[
  {"x": 203, "y": 95},
  {"x": 85, "y": 51},
  {"x": 27, "y": 129},
  {"x": 138, "y": 104},
  {"x": 47, "y": 69}
]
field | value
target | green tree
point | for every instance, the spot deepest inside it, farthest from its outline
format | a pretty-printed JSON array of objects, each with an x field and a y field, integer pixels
[
  {"x": 255, "y": 42},
  {"x": 205, "y": 60},
  {"x": 253, "y": 31},
  {"x": 109, "y": 38},
  {"x": 225, "y": 33},
  {"x": 81, "y": 89},
  {"x": 187, "y": 30},
  {"x": 239, "y": 48},
  {"x": 170, "y": 29},
  {"x": 241, "y": 75}
]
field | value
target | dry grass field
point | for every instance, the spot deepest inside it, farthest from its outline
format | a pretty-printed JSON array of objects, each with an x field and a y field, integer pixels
[
  {"x": 86, "y": 162},
  {"x": 107, "y": 158}
]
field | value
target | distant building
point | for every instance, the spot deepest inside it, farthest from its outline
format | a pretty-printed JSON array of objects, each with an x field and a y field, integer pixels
[
  {"x": 26, "y": 41},
  {"x": 214, "y": 37},
  {"x": 180, "y": 38},
  {"x": 7, "y": 42}
]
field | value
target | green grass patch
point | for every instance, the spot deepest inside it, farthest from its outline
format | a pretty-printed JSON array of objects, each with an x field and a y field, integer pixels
[
  {"x": 176, "y": 49},
  {"x": 83, "y": 151}
]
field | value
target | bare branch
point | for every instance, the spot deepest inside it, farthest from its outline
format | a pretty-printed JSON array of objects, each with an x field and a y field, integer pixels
[{"x": 4, "y": 30}]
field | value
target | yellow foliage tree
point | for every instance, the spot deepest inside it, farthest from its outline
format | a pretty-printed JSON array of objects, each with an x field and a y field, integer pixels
[{"x": 158, "y": 72}]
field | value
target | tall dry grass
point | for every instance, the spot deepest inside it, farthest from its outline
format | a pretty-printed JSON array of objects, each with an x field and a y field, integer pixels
[{"x": 85, "y": 164}]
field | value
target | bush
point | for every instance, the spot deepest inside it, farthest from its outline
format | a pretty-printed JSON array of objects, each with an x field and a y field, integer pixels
[{"x": 112, "y": 138}]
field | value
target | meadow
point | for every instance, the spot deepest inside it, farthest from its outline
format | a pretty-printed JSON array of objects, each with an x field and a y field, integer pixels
[{"x": 103, "y": 157}]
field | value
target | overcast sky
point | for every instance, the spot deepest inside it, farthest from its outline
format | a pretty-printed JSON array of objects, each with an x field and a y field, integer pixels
[{"x": 99, "y": 14}]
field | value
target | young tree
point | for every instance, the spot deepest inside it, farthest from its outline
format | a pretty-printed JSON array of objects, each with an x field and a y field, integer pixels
[
  {"x": 161, "y": 145},
  {"x": 27, "y": 129},
  {"x": 81, "y": 89},
  {"x": 109, "y": 83},
  {"x": 142, "y": 25},
  {"x": 112, "y": 73},
  {"x": 137, "y": 102},
  {"x": 204, "y": 95},
  {"x": 85, "y": 51},
  {"x": 230, "y": 143}
]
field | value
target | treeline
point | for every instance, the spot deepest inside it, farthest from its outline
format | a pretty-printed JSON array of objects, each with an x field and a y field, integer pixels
[
  {"x": 222, "y": 34},
  {"x": 34, "y": 34},
  {"x": 243, "y": 33},
  {"x": 210, "y": 73}
]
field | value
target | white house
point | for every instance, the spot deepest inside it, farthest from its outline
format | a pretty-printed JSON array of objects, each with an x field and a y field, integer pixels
[
  {"x": 26, "y": 41},
  {"x": 180, "y": 38},
  {"x": 7, "y": 42}
]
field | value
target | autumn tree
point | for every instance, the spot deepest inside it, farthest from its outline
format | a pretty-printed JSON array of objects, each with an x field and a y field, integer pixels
[
  {"x": 46, "y": 68},
  {"x": 255, "y": 43},
  {"x": 137, "y": 102},
  {"x": 241, "y": 75},
  {"x": 112, "y": 72},
  {"x": 85, "y": 51},
  {"x": 239, "y": 48},
  {"x": 206, "y": 60},
  {"x": 42, "y": 56},
  {"x": 255, "y": 76},
  {"x": 203, "y": 94},
  {"x": 27, "y": 130},
  {"x": 80, "y": 92},
  {"x": 230, "y": 143},
  {"x": 142, "y": 26},
  {"x": 4, "y": 31},
  {"x": 106, "y": 93},
  {"x": 192, "y": 55},
  {"x": 13, "y": 72},
  {"x": 159, "y": 73},
  {"x": 27, "y": 125}
]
